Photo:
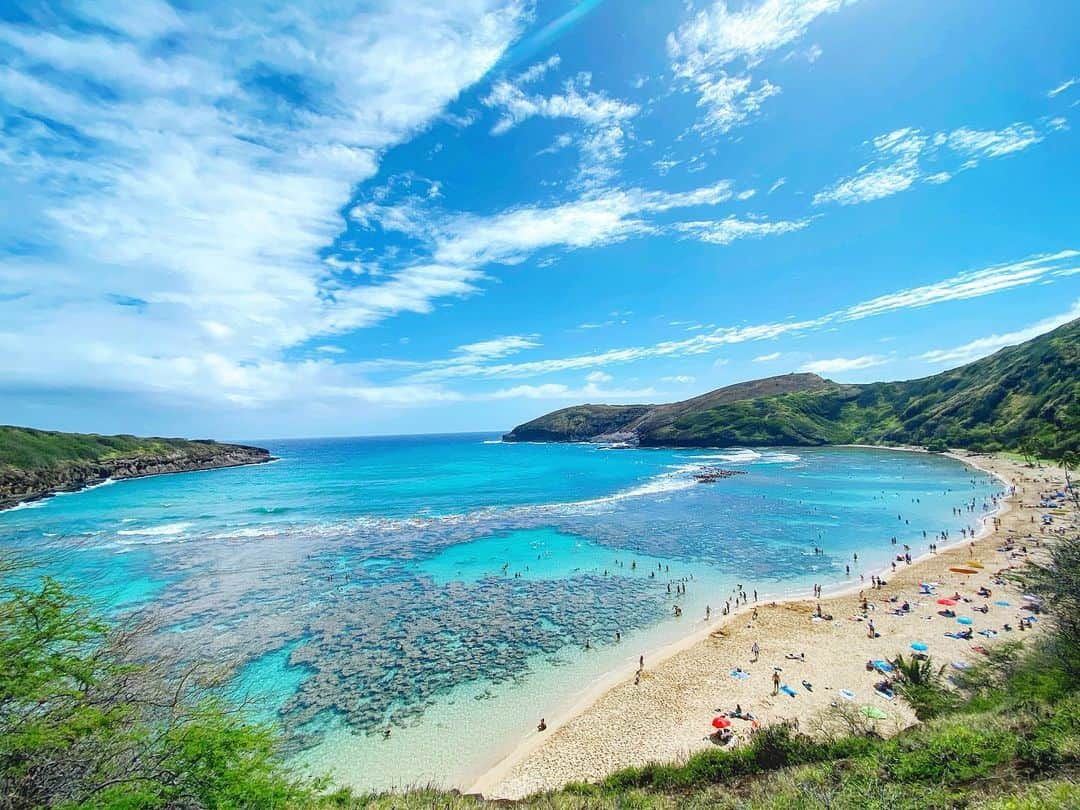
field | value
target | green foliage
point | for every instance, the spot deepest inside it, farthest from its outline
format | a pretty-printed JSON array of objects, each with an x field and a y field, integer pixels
[
  {"x": 921, "y": 684},
  {"x": 83, "y": 727},
  {"x": 1057, "y": 582}
]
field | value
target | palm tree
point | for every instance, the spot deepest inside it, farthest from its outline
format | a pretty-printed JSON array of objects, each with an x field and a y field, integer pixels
[
  {"x": 922, "y": 686},
  {"x": 1070, "y": 460}
]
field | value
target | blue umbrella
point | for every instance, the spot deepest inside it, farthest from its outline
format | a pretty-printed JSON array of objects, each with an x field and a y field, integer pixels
[
  {"x": 1001, "y": 602},
  {"x": 918, "y": 645},
  {"x": 964, "y": 620}
]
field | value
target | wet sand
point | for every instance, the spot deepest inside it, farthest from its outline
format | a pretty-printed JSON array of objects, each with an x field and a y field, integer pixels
[{"x": 667, "y": 715}]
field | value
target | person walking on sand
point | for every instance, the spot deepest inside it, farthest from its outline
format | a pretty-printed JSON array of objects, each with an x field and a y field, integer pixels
[
  {"x": 641, "y": 662},
  {"x": 775, "y": 682},
  {"x": 756, "y": 650}
]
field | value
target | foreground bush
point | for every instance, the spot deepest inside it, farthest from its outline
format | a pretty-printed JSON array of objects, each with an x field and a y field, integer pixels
[{"x": 81, "y": 726}]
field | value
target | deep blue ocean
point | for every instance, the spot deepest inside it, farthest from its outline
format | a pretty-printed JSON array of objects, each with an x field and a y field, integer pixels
[{"x": 446, "y": 586}]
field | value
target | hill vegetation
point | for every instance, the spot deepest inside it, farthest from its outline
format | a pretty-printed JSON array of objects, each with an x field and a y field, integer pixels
[
  {"x": 1024, "y": 398},
  {"x": 36, "y": 463}
]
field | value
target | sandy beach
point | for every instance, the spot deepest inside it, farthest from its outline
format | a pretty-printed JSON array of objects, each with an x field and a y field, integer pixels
[{"x": 666, "y": 715}]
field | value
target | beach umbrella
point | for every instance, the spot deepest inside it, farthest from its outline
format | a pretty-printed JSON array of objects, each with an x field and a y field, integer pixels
[
  {"x": 964, "y": 620},
  {"x": 919, "y": 646},
  {"x": 946, "y": 602},
  {"x": 873, "y": 712},
  {"x": 721, "y": 722}
]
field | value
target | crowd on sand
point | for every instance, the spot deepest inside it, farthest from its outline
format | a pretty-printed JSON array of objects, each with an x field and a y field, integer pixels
[{"x": 752, "y": 663}]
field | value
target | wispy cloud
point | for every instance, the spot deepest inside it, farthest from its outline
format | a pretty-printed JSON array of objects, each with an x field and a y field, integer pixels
[
  {"x": 715, "y": 49},
  {"x": 839, "y": 365},
  {"x": 604, "y": 120},
  {"x": 726, "y": 231},
  {"x": 1061, "y": 88},
  {"x": 767, "y": 358},
  {"x": 973, "y": 284},
  {"x": 208, "y": 182},
  {"x": 991, "y": 343},
  {"x": 496, "y": 348},
  {"x": 901, "y": 158},
  {"x": 468, "y": 242}
]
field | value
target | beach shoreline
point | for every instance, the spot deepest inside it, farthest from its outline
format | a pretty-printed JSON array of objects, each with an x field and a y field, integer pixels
[{"x": 543, "y": 761}]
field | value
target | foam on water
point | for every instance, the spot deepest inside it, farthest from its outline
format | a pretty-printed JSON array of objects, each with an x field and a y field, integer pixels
[{"x": 164, "y": 530}]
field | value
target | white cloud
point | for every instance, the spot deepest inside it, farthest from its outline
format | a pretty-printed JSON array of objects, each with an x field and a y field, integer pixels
[
  {"x": 991, "y": 143},
  {"x": 731, "y": 100},
  {"x": 991, "y": 343},
  {"x": 705, "y": 48},
  {"x": 566, "y": 393},
  {"x": 604, "y": 120},
  {"x": 767, "y": 358},
  {"x": 906, "y": 156},
  {"x": 466, "y": 242},
  {"x": 200, "y": 189},
  {"x": 973, "y": 284},
  {"x": 726, "y": 231},
  {"x": 838, "y": 365},
  {"x": 776, "y": 186},
  {"x": 497, "y": 347},
  {"x": 681, "y": 379},
  {"x": 1061, "y": 88},
  {"x": 597, "y": 377}
]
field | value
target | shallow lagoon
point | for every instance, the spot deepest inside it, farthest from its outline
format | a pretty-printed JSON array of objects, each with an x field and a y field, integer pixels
[{"x": 446, "y": 586}]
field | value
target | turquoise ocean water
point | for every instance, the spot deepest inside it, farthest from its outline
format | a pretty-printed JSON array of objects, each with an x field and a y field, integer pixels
[{"x": 446, "y": 586}]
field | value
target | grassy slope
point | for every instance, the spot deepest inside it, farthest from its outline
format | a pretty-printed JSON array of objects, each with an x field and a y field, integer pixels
[
  {"x": 27, "y": 449},
  {"x": 1026, "y": 394},
  {"x": 582, "y": 422}
]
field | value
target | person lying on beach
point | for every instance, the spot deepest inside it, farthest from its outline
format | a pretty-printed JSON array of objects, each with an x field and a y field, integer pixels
[
  {"x": 809, "y": 687},
  {"x": 793, "y": 657}
]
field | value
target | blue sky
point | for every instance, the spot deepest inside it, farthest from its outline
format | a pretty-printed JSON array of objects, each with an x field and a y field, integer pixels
[{"x": 429, "y": 215}]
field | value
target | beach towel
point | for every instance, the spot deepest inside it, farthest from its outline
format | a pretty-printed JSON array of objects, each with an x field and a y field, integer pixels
[
  {"x": 847, "y": 694},
  {"x": 742, "y": 675},
  {"x": 787, "y": 690}
]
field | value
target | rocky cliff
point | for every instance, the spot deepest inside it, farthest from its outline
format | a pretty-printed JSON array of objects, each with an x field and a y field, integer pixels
[{"x": 36, "y": 464}]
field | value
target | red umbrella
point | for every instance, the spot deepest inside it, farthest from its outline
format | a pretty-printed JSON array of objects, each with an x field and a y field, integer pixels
[
  {"x": 946, "y": 602},
  {"x": 721, "y": 722}
]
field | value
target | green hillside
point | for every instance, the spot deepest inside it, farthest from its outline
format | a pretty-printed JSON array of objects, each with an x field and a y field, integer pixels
[
  {"x": 26, "y": 448},
  {"x": 1022, "y": 397},
  {"x": 35, "y": 463}
]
